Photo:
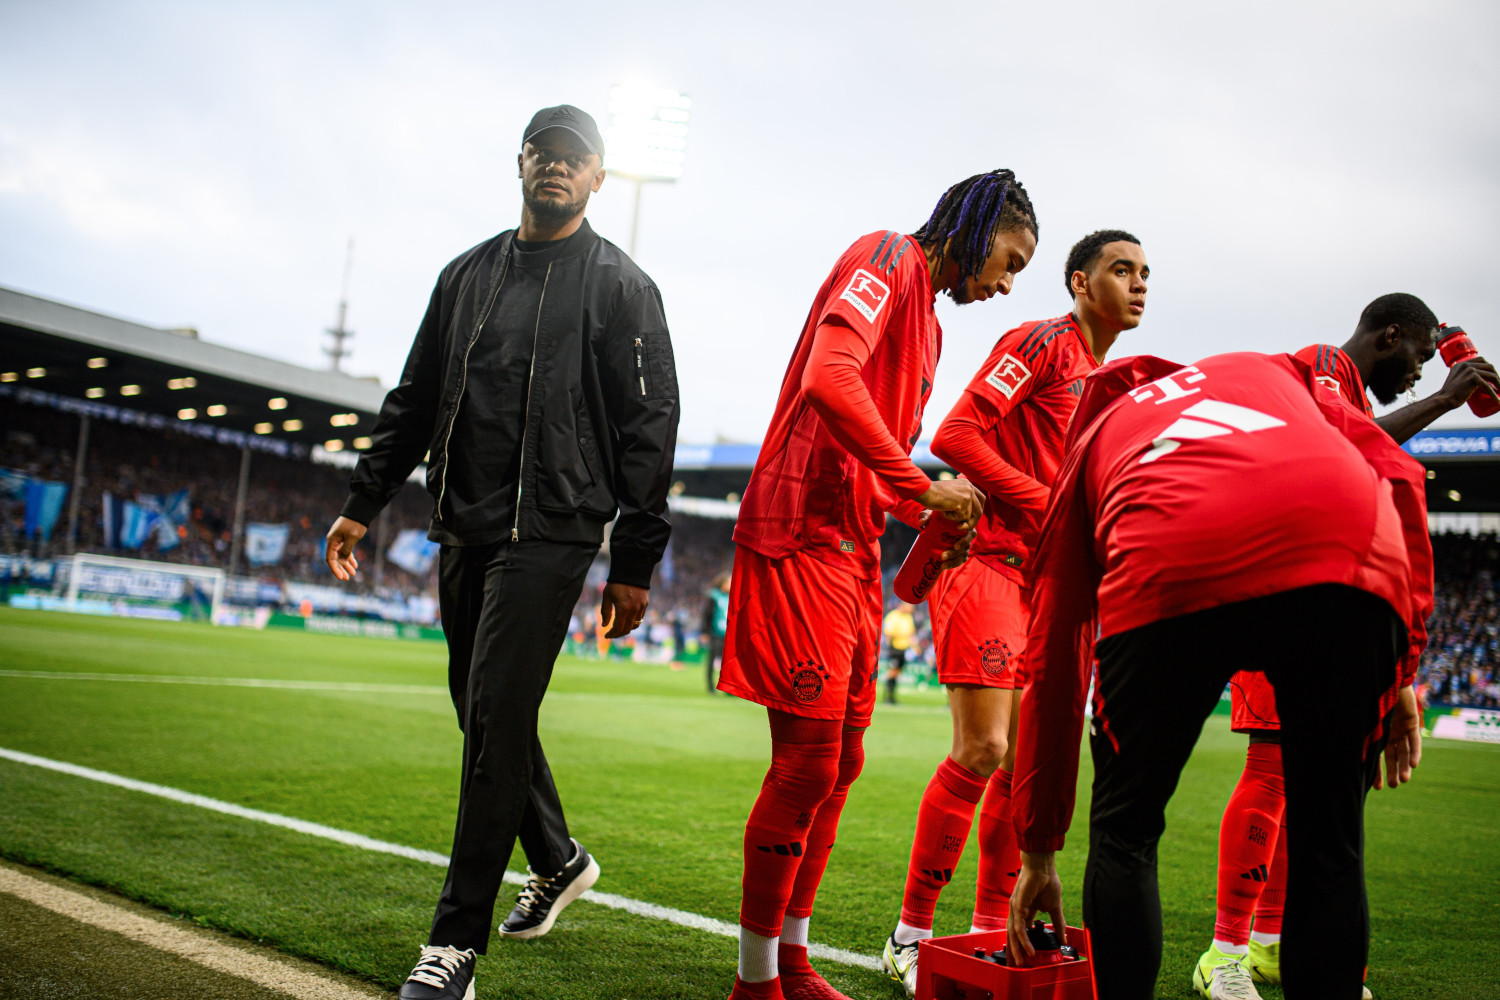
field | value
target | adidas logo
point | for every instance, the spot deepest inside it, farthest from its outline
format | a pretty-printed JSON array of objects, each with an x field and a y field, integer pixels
[
  {"x": 939, "y": 874},
  {"x": 1206, "y": 419},
  {"x": 792, "y": 850},
  {"x": 562, "y": 114},
  {"x": 1256, "y": 874}
]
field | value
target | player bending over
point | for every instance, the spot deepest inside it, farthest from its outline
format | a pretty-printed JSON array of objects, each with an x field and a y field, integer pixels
[
  {"x": 805, "y": 603},
  {"x": 1395, "y": 337},
  {"x": 1006, "y": 435},
  {"x": 1194, "y": 516}
]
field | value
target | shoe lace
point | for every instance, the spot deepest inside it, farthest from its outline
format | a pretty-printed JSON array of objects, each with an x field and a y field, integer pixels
[
  {"x": 535, "y": 890},
  {"x": 1233, "y": 981},
  {"x": 438, "y": 964}
]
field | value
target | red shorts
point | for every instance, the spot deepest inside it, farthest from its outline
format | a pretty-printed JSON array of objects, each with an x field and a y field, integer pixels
[
  {"x": 1252, "y": 702},
  {"x": 803, "y": 638},
  {"x": 979, "y": 621}
]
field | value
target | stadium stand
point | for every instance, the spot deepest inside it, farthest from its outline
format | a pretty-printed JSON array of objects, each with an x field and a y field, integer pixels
[{"x": 1461, "y": 667}]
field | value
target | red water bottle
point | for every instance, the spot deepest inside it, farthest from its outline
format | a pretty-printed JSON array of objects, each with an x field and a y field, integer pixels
[
  {"x": 1455, "y": 346},
  {"x": 924, "y": 562}
]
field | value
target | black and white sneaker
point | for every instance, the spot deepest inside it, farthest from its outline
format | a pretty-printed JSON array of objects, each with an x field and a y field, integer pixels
[
  {"x": 543, "y": 898},
  {"x": 442, "y": 974}
]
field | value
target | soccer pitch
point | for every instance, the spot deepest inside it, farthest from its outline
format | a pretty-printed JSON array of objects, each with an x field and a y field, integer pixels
[{"x": 657, "y": 779}]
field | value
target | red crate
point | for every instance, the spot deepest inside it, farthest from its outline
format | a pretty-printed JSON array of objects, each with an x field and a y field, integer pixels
[{"x": 948, "y": 970}]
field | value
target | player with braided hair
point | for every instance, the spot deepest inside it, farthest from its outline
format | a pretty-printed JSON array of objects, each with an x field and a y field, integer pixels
[
  {"x": 1005, "y": 435},
  {"x": 805, "y": 603}
]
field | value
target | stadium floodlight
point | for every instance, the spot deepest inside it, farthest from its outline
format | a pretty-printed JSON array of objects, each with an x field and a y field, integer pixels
[
  {"x": 187, "y": 413},
  {"x": 9, "y": 376},
  {"x": 333, "y": 444},
  {"x": 361, "y": 443},
  {"x": 36, "y": 372},
  {"x": 217, "y": 410},
  {"x": 130, "y": 390},
  {"x": 97, "y": 392},
  {"x": 263, "y": 428},
  {"x": 98, "y": 362},
  {"x": 647, "y": 138}
]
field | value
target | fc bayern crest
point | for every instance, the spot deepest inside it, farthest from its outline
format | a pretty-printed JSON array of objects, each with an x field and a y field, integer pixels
[
  {"x": 807, "y": 681},
  {"x": 994, "y": 654}
]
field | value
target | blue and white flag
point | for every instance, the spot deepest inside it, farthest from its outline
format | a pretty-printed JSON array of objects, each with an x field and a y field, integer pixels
[
  {"x": 136, "y": 522},
  {"x": 43, "y": 503},
  {"x": 265, "y": 543},
  {"x": 412, "y": 552}
]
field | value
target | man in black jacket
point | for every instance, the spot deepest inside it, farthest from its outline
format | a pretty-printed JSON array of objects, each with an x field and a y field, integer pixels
[{"x": 542, "y": 390}]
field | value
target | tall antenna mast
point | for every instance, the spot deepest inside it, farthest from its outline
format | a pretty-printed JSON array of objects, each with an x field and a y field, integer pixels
[{"x": 337, "y": 351}]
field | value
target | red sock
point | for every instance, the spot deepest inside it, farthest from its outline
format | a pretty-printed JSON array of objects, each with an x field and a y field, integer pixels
[
  {"x": 804, "y": 768},
  {"x": 825, "y": 828},
  {"x": 768, "y": 990},
  {"x": 943, "y": 822},
  {"x": 999, "y": 858},
  {"x": 799, "y": 980},
  {"x": 1247, "y": 840},
  {"x": 1273, "y": 898}
]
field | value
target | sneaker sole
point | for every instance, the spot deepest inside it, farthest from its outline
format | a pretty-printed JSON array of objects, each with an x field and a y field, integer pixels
[{"x": 576, "y": 888}]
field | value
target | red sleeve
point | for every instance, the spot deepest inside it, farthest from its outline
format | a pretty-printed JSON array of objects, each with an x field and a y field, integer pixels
[
  {"x": 909, "y": 513},
  {"x": 961, "y": 442},
  {"x": 834, "y": 387},
  {"x": 1056, "y": 667}
]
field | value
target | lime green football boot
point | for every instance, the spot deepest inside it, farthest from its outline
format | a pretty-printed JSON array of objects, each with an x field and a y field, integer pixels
[
  {"x": 1218, "y": 976},
  {"x": 1264, "y": 962}
]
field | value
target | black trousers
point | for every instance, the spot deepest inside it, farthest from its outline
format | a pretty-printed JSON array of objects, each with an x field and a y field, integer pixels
[
  {"x": 505, "y": 613},
  {"x": 1329, "y": 652}
]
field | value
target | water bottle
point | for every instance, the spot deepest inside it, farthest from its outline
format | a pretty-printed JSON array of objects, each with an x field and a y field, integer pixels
[
  {"x": 1455, "y": 346},
  {"x": 925, "y": 560}
]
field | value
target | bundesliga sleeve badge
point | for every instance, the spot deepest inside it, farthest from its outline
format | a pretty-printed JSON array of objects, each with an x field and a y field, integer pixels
[
  {"x": 866, "y": 293},
  {"x": 1009, "y": 375}
]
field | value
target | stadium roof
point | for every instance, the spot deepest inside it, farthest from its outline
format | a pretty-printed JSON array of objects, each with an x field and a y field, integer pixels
[{"x": 59, "y": 354}]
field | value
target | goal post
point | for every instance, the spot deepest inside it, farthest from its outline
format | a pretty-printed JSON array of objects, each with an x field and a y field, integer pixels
[{"x": 145, "y": 584}]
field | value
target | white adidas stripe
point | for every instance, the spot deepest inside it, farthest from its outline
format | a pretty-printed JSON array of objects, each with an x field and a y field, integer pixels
[{"x": 682, "y": 918}]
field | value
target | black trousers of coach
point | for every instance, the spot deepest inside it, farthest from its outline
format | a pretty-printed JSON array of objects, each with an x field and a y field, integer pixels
[
  {"x": 505, "y": 613},
  {"x": 1329, "y": 651}
]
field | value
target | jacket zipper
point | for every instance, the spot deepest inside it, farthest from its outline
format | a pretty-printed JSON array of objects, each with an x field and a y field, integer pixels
[
  {"x": 463, "y": 379},
  {"x": 640, "y": 365},
  {"x": 515, "y": 529}
]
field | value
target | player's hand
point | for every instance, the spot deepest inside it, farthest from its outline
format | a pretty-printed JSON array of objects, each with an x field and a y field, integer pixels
[
  {"x": 1404, "y": 750},
  {"x": 1468, "y": 377},
  {"x": 1038, "y": 890},
  {"x": 958, "y": 499},
  {"x": 623, "y": 607},
  {"x": 342, "y": 538}
]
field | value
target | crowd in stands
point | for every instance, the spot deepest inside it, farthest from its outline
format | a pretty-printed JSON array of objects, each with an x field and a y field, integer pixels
[
  {"x": 1461, "y": 665},
  {"x": 1462, "y": 662},
  {"x": 125, "y": 461}
]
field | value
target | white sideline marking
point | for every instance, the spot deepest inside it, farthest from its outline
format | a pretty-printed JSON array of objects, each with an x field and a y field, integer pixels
[
  {"x": 158, "y": 934},
  {"x": 356, "y": 686},
  {"x": 682, "y": 918}
]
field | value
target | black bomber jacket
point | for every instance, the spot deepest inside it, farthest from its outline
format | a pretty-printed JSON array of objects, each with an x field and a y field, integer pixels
[{"x": 600, "y": 423}]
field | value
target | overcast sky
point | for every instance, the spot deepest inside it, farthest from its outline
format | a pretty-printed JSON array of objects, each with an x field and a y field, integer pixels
[{"x": 1283, "y": 163}]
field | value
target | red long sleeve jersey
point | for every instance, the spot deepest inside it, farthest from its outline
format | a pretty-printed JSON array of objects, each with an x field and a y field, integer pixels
[
  {"x": 837, "y": 454},
  {"x": 1230, "y": 479},
  {"x": 1336, "y": 371},
  {"x": 1006, "y": 432}
]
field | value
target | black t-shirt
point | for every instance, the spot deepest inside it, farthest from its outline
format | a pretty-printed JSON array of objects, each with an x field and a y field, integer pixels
[{"x": 479, "y": 501}]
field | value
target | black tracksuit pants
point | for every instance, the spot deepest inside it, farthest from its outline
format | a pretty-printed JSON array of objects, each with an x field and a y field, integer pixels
[
  {"x": 1329, "y": 651},
  {"x": 505, "y": 613}
]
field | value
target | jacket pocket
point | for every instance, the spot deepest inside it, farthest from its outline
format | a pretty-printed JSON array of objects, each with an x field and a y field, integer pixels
[{"x": 570, "y": 473}]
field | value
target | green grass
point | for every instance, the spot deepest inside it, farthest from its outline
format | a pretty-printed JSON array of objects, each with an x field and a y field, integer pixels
[{"x": 657, "y": 778}]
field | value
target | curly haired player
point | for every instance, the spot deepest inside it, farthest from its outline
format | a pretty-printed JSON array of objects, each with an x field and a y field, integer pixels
[
  {"x": 1005, "y": 435},
  {"x": 805, "y": 603}
]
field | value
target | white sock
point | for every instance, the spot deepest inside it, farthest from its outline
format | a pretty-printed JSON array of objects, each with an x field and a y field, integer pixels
[
  {"x": 1266, "y": 939},
  {"x": 1240, "y": 950},
  {"x": 794, "y": 931},
  {"x": 983, "y": 930},
  {"x": 757, "y": 957},
  {"x": 907, "y": 934}
]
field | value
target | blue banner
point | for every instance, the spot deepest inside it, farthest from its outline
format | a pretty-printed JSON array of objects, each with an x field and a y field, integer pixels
[
  {"x": 412, "y": 552},
  {"x": 44, "y": 502},
  {"x": 265, "y": 543}
]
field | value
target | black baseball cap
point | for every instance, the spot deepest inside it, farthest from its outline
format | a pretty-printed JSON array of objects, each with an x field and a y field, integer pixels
[{"x": 575, "y": 120}]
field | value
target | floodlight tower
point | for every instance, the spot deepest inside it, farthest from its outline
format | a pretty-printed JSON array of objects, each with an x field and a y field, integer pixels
[
  {"x": 337, "y": 351},
  {"x": 646, "y": 139}
]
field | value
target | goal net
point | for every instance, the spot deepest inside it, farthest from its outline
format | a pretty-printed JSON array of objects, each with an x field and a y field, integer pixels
[{"x": 147, "y": 589}]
